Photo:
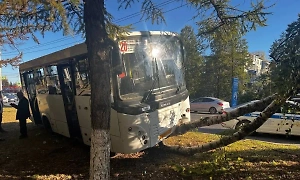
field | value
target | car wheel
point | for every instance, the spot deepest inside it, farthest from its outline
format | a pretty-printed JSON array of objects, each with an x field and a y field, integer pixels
[
  {"x": 241, "y": 123},
  {"x": 212, "y": 110}
]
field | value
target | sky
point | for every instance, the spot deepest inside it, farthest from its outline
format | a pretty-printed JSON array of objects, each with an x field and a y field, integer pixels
[{"x": 177, "y": 16}]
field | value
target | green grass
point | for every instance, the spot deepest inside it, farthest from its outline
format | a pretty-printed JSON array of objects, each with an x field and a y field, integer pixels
[{"x": 240, "y": 160}]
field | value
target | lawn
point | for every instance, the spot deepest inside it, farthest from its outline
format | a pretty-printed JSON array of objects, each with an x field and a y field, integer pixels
[{"x": 50, "y": 156}]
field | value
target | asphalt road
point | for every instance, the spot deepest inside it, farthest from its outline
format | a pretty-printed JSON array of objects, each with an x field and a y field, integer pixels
[{"x": 217, "y": 128}]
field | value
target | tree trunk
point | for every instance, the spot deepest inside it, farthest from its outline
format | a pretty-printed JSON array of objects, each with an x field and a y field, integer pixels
[{"x": 98, "y": 54}]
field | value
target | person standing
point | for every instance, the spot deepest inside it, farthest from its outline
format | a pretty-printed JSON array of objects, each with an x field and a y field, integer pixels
[
  {"x": 22, "y": 113},
  {"x": 1, "y": 111}
]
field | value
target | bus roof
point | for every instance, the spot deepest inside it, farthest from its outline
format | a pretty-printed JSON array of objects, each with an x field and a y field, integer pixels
[{"x": 78, "y": 50}]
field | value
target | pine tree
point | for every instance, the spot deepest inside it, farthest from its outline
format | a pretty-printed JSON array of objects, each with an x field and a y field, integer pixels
[
  {"x": 228, "y": 59},
  {"x": 193, "y": 60}
]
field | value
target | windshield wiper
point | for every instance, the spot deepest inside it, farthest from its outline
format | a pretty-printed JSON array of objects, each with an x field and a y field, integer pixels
[{"x": 156, "y": 79}]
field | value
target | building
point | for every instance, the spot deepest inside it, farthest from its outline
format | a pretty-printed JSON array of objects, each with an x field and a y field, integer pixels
[
  {"x": 265, "y": 66},
  {"x": 259, "y": 65}
]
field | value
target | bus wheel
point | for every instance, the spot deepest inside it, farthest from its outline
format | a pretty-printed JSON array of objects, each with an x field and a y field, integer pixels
[{"x": 47, "y": 124}]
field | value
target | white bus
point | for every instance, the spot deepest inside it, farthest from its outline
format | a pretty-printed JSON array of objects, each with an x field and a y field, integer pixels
[{"x": 149, "y": 95}]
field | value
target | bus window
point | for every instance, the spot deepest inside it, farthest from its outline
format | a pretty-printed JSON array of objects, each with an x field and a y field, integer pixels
[
  {"x": 52, "y": 80},
  {"x": 40, "y": 81},
  {"x": 29, "y": 81},
  {"x": 82, "y": 80}
]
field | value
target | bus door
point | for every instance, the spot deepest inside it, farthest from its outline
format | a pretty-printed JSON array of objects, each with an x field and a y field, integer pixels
[
  {"x": 30, "y": 84},
  {"x": 66, "y": 79}
]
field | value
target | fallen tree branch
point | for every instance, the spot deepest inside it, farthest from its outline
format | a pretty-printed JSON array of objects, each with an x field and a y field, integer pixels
[
  {"x": 208, "y": 121},
  {"x": 226, "y": 140}
]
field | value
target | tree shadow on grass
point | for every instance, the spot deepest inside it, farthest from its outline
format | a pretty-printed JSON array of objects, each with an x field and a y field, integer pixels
[{"x": 273, "y": 163}]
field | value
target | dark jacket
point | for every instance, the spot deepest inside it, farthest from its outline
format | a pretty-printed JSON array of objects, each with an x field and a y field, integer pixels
[{"x": 22, "y": 109}]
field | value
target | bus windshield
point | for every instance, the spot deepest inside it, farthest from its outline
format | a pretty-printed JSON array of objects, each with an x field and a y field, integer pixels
[{"x": 151, "y": 64}]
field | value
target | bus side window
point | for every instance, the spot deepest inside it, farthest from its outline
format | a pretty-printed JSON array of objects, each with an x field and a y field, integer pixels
[
  {"x": 40, "y": 82},
  {"x": 82, "y": 79},
  {"x": 51, "y": 77}
]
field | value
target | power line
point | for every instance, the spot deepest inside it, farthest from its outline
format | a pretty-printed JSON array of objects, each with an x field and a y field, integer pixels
[
  {"x": 165, "y": 12},
  {"x": 54, "y": 41},
  {"x": 133, "y": 23},
  {"x": 69, "y": 37},
  {"x": 76, "y": 42},
  {"x": 44, "y": 44},
  {"x": 118, "y": 20},
  {"x": 139, "y": 13}
]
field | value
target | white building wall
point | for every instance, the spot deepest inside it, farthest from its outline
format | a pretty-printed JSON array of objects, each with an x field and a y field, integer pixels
[{"x": 256, "y": 64}]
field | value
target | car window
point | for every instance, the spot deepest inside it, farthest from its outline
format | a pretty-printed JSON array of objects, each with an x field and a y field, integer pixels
[
  {"x": 199, "y": 99},
  {"x": 207, "y": 100}
]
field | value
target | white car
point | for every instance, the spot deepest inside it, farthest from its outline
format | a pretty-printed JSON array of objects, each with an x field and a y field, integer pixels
[
  {"x": 11, "y": 97},
  {"x": 209, "y": 104},
  {"x": 5, "y": 99}
]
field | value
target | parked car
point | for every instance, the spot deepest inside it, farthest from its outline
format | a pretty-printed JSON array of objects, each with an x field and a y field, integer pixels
[
  {"x": 209, "y": 104},
  {"x": 4, "y": 99},
  {"x": 11, "y": 97}
]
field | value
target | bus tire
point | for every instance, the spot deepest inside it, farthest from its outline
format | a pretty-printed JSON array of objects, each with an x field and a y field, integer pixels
[{"x": 47, "y": 124}]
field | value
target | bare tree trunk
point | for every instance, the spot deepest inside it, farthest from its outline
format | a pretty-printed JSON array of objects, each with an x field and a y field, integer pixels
[
  {"x": 98, "y": 54},
  {"x": 226, "y": 140}
]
